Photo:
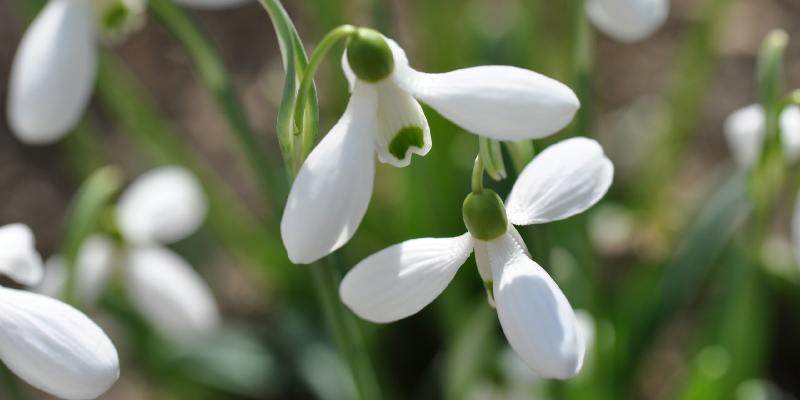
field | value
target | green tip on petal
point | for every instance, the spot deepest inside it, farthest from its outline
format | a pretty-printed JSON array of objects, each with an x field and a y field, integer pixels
[
  {"x": 369, "y": 55},
  {"x": 410, "y": 136},
  {"x": 484, "y": 215}
]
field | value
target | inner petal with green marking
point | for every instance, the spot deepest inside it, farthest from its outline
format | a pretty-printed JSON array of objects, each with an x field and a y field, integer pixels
[{"x": 410, "y": 136}]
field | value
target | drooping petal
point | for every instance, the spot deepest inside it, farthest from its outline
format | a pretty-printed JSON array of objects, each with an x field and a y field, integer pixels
[
  {"x": 169, "y": 293},
  {"x": 55, "y": 347},
  {"x": 53, "y": 72},
  {"x": 790, "y": 133},
  {"x": 536, "y": 317},
  {"x": 93, "y": 269},
  {"x": 485, "y": 267},
  {"x": 19, "y": 259},
  {"x": 744, "y": 132},
  {"x": 330, "y": 195},
  {"x": 565, "y": 179},
  {"x": 402, "y": 127},
  {"x": 401, "y": 280},
  {"x": 628, "y": 20},
  {"x": 501, "y": 102},
  {"x": 212, "y": 4},
  {"x": 161, "y": 206}
]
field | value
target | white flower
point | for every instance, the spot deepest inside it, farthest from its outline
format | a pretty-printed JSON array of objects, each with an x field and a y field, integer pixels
[
  {"x": 161, "y": 206},
  {"x": 94, "y": 267},
  {"x": 744, "y": 132},
  {"x": 565, "y": 179},
  {"x": 47, "y": 343},
  {"x": 627, "y": 20},
  {"x": 333, "y": 187},
  {"x": 53, "y": 73},
  {"x": 18, "y": 256}
]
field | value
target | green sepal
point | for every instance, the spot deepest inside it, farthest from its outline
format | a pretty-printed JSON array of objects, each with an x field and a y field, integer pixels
[
  {"x": 484, "y": 215},
  {"x": 369, "y": 55}
]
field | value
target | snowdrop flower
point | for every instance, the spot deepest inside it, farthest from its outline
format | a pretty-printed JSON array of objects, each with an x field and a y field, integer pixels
[
  {"x": 160, "y": 207},
  {"x": 538, "y": 321},
  {"x": 627, "y": 20},
  {"x": 93, "y": 270},
  {"x": 332, "y": 190},
  {"x": 45, "y": 342},
  {"x": 54, "y": 69},
  {"x": 744, "y": 132}
]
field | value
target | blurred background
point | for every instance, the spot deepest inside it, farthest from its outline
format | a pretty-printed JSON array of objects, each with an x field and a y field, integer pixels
[{"x": 657, "y": 266}]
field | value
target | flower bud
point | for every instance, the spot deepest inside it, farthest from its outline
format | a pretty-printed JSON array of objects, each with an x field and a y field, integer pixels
[
  {"x": 369, "y": 55},
  {"x": 485, "y": 215}
]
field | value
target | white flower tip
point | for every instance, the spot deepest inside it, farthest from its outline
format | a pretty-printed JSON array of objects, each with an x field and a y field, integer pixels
[
  {"x": 162, "y": 206},
  {"x": 628, "y": 20},
  {"x": 401, "y": 280},
  {"x": 18, "y": 256},
  {"x": 53, "y": 73},
  {"x": 55, "y": 347},
  {"x": 170, "y": 294}
]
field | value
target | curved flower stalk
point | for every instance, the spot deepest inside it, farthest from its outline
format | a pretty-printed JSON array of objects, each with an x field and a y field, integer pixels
[
  {"x": 744, "y": 132},
  {"x": 538, "y": 321},
  {"x": 627, "y": 20},
  {"x": 332, "y": 190},
  {"x": 53, "y": 73},
  {"x": 45, "y": 342},
  {"x": 160, "y": 207}
]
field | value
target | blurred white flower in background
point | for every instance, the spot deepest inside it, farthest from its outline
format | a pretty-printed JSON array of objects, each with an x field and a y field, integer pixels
[
  {"x": 333, "y": 187},
  {"x": 47, "y": 343},
  {"x": 162, "y": 206},
  {"x": 53, "y": 74},
  {"x": 565, "y": 179},
  {"x": 744, "y": 132},
  {"x": 628, "y": 20}
]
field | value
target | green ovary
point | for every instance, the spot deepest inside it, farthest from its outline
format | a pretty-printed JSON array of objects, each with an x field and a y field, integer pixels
[
  {"x": 410, "y": 136},
  {"x": 115, "y": 16}
]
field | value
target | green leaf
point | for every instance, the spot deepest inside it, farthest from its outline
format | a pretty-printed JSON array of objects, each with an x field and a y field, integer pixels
[
  {"x": 702, "y": 245},
  {"x": 295, "y": 61}
]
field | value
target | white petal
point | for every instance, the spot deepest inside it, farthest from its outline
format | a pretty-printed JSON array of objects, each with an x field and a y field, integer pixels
[
  {"x": 54, "y": 279},
  {"x": 501, "y": 102},
  {"x": 401, "y": 280},
  {"x": 162, "y": 206},
  {"x": 348, "y": 72},
  {"x": 53, "y": 72},
  {"x": 628, "y": 20},
  {"x": 55, "y": 347},
  {"x": 93, "y": 268},
  {"x": 536, "y": 317},
  {"x": 402, "y": 127},
  {"x": 563, "y": 180},
  {"x": 19, "y": 259},
  {"x": 170, "y": 294},
  {"x": 212, "y": 4},
  {"x": 330, "y": 195},
  {"x": 744, "y": 132},
  {"x": 790, "y": 132}
]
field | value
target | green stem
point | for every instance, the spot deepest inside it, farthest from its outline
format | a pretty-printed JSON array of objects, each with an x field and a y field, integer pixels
[
  {"x": 477, "y": 175},
  {"x": 344, "y": 330},
  {"x": 10, "y": 385},
  {"x": 341, "y": 323},
  {"x": 582, "y": 66},
  {"x": 327, "y": 42},
  {"x": 212, "y": 72}
]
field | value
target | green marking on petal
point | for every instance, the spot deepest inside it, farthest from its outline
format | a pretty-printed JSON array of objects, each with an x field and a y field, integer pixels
[
  {"x": 115, "y": 16},
  {"x": 410, "y": 136}
]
